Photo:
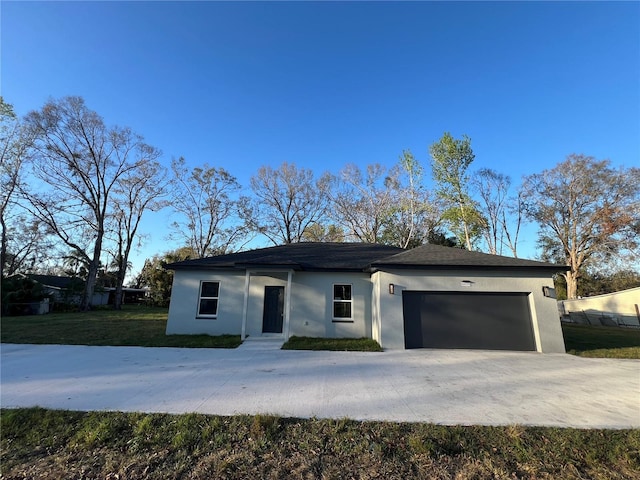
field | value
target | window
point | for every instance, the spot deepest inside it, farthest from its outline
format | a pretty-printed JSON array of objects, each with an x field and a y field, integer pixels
[
  {"x": 342, "y": 302},
  {"x": 208, "y": 301}
]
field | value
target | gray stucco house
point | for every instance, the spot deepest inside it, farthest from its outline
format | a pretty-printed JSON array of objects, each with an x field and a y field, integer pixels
[{"x": 427, "y": 297}]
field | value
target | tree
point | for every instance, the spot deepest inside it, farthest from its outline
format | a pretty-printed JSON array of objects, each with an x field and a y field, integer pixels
[
  {"x": 157, "y": 278},
  {"x": 79, "y": 162},
  {"x": 363, "y": 203},
  {"x": 501, "y": 214},
  {"x": 587, "y": 212},
  {"x": 205, "y": 198},
  {"x": 413, "y": 218},
  {"x": 136, "y": 192},
  {"x": 14, "y": 145},
  {"x": 317, "y": 232},
  {"x": 288, "y": 200},
  {"x": 451, "y": 159}
]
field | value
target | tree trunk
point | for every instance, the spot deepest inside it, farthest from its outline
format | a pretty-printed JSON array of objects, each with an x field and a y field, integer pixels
[
  {"x": 89, "y": 287},
  {"x": 3, "y": 248},
  {"x": 94, "y": 265},
  {"x": 572, "y": 284},
  {"x": 117, "y": 303}
]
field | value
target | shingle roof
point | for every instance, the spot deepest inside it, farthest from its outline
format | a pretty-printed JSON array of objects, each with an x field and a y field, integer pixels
[
  {"x": 53, "y": 280},
  {"x": 312, "y": 256},
  {"x": 436, "y": 256},
  {"x": 298, "y": 256}
]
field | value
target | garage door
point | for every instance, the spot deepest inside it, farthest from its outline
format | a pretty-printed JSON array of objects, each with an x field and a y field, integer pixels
[{"x": 489, "y": 321}]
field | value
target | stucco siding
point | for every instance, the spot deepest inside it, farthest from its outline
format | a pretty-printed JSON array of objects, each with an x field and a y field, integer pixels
[
  {"x": 183, "y": 309},
  {"x": 545, "y": 321},
  {"x": 312, "y": 305}
]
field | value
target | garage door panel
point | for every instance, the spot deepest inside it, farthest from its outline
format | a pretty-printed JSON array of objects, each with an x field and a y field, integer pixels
[{"x": 493, "y": 321}]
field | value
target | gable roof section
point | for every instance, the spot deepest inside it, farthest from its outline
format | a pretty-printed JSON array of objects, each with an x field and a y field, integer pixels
[
  {"x": 305, "y": 256},
  {"x": 437, "y": 256},
  {"x": 357, "y": 257}
]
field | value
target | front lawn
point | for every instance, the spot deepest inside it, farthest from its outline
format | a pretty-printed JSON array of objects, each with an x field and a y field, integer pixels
[
  {"x": 601, "y": 342},
  {"x": 132, "y": 326},
  {"x": 334, "y": 344},
  {"x": 38, "y": 443}
]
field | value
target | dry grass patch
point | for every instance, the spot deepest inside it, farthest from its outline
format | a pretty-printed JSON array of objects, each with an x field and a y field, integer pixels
[{"x": 48, "y": 444}]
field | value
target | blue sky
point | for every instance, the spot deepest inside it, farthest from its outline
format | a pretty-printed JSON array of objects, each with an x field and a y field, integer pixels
[{"x": 244, "y": 84}]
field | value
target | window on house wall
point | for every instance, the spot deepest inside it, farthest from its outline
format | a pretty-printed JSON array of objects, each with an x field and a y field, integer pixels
[
  {"x": 342, "y": 302},
  {"x": 208, "y": 301}
]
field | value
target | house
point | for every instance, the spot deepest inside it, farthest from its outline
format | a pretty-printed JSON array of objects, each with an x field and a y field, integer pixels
[
  {"x": 427, "y": 297},
  {"x": 69, "y": 290},
  {"x": 610, "y": 309}
]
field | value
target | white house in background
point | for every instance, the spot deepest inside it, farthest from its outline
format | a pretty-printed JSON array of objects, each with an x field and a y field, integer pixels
[
  {"x": 612, "y": 309},
  {"x": 427, "y": 297}
]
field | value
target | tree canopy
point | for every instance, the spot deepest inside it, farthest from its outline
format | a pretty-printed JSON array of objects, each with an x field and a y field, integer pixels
[{"x": 587, "y": 212}]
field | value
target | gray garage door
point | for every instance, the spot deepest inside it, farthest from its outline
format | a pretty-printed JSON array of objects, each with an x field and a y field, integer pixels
[{"x": 489, "y": 321}]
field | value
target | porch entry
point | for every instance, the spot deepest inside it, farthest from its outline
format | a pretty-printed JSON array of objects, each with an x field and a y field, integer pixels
[{"x": 273, "y": 314}]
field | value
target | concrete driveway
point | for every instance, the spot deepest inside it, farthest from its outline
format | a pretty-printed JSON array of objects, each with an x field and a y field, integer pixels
[{"x": 438, "y": 386}]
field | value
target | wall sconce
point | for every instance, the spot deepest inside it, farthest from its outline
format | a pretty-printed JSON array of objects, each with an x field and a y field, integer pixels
[
  {"x": 392, "y": 288},
  {"x": 466, "y": 283},
  {"x": 549, "y": 292}
]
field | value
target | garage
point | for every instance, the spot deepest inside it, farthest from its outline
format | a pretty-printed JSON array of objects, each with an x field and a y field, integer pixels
[{"x": 478, "y": 320}]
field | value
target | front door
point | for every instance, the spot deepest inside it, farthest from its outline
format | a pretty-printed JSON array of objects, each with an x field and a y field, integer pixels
[{"x": 273, "y": 315}]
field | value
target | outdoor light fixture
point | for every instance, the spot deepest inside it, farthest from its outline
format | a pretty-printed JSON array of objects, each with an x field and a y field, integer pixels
[
  {"x": 466, "y": 283},
  {"x": 392, "y": 288},
  {"x": 549, "y": 292}
]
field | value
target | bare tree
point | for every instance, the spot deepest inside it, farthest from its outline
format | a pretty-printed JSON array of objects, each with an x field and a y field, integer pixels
[
  {"x": 78, "y": 161},
  {"x": 586, "y": 211},
  {"x": 205, "y": 198},
  {"x": 14, "y": 145},
  {"x": 500, "y": 213},
  {"x": 414, "y": 216},
  {"x": 136, "y": 192},
  {"x": 363, "y": 203},
  {"x": 288, "y": 200}
]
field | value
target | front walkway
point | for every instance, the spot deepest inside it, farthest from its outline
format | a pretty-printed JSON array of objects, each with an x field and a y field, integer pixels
[{"x": 439, "y": 386}]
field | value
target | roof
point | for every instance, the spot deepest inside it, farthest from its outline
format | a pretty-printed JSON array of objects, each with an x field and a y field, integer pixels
[
  {"x": 437, "y": 256},
  {"x": 307, "y": 256},
  {"x": 357, "y": 257},
  {"x": 54, "y": 281}
]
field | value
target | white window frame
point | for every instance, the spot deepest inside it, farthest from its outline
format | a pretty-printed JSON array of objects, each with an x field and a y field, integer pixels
[
  {"x": 201, "y": 297},
  {"x": 337, "y": 300}
]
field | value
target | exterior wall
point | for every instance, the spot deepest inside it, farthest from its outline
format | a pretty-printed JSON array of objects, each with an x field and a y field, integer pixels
[
  {"x": 183, "y": 308},
  {"x": 546, "y": 324},
  {"x": 311, "y": 303},
  {"x": 619, "y": 305},
  {"x": 377, "y": 314}
]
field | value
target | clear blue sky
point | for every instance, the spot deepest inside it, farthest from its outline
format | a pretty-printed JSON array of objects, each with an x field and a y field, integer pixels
[{"x": 244, "y": 84}]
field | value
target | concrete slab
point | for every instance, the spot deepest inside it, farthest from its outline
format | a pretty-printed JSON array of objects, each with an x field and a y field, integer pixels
[{"x": 439, "y": 386}]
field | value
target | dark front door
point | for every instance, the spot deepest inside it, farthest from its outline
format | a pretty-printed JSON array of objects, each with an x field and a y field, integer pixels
[
  {"x": 273, "y": 310},
  {"x": 491, "y": 321}
]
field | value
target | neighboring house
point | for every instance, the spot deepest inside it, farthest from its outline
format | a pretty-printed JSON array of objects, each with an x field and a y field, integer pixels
[
  {"x": 67, "y": 289},
  {"x": 431, "y": 296},
  {"x": 611, "y": 309}
]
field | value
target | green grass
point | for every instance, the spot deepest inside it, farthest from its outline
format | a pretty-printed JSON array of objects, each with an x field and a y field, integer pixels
[
  {"x": 335, "y": 344},
  {"x": 38, "y": 443},
  {"x": 132, "y": 326},
  {"x": 602, "y": 342}
]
